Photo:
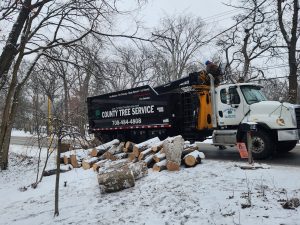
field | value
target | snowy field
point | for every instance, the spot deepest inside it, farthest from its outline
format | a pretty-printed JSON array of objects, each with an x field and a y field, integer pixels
[{"x": 213, "y": 192}]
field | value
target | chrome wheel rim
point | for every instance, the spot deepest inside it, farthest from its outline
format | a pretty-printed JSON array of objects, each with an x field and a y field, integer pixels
[{"x": 258, "y": 145}]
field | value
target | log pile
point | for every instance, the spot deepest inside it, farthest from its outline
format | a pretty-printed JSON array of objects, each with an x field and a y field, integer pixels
[{"x": 119, "y": 164}]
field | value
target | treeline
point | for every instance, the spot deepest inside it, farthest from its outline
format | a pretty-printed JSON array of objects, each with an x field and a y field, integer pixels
[{"x": 56, "y": 53}]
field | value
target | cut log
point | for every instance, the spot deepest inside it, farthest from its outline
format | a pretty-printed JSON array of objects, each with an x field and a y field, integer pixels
[
  {"x": 101, "y": 149},
  {"x": 139, "y": 169},
  {"x": 149, "y": 160},
  {"x": 108, "y": 155},
  {"x": 115, "y": 149},
  {"x": 87, "y": 163},
  {"x": 173, "y": 149},
  {"x": 116, "y": 180},
  {"x": 193, "y": 158},
  {"x": 99, "y": 164},
  {"x": 122, "y": 155},
  {"x": 52, "y": 172},
  {"x": 160, "y": 166},
  {"x": 159, "y": 157},
  {"x": 74, "y": 161},
  {"x": 113, "y": 165},
  {"x": 145, "y": 153},
  {"x": 138, "y": 148},
  {"x": 128, "y": 146},
  {"x": 131, "y": 156},
  {"x": 158, "y": 146},
  {"x": 188, "y": 150},
  {"x": 66, "y": 160}
]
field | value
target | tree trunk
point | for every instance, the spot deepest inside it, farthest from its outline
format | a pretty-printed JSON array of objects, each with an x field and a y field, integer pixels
[
  {"x": 66, "y": 101},
  {"x": 10, "y": 49},
  {"x": 56, "y": 211},
  {"x": 293, "y": 82}
]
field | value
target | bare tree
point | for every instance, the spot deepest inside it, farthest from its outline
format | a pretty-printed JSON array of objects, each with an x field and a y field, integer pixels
[
  {"x": 177, "y": 41},
  {"x": 250, "y": 41},
  {"x": 66, "y": 23},
  {"x": 288, "y": 13}
]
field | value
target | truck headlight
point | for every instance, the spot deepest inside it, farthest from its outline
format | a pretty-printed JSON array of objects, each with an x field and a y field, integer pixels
[{"x": 280, "y": 122}]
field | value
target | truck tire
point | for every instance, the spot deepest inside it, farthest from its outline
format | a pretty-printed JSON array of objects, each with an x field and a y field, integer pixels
[
  {"x": 262, "y": 145},
  {"x": 286, "y": 146}
]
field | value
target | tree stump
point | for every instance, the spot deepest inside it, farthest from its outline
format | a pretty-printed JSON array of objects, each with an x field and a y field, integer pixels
[{"x": 173, "y": 148}]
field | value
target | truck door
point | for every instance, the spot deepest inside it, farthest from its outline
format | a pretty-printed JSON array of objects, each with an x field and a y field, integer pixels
[{"x": 230, "y": 110}]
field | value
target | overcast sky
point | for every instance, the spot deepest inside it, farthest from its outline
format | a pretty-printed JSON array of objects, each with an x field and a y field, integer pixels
[
  {"x": 213, "y": 12},
  {"x": 209, "y": 11}
]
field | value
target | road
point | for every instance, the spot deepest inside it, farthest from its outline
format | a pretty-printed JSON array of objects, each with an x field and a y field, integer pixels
[
  {"x": 291, "y": 158},
  {"x": 27, "y": 141},
  {"x": 211, "y": 152}
]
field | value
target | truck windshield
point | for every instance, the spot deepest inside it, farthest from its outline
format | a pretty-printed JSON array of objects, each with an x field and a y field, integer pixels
[{"x": 253, "y": 94}]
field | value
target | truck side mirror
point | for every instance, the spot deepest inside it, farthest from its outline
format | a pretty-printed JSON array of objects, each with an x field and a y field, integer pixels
[{"x": 234, "y": 98}]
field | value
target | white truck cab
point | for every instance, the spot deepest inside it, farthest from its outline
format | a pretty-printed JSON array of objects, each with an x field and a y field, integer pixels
[{"x": 278, "y": 123}]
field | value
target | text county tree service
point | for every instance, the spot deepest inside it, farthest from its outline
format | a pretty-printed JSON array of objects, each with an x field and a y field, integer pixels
[{"x": 128, "y": 111}]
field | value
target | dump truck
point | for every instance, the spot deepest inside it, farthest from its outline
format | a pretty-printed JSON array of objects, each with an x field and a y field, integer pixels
[{"x": 197, "y": 109}]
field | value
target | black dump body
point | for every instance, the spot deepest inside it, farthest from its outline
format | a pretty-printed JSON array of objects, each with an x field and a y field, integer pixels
[
  {"x": 135, "y": 114},
  {"x": 140, "y": 113}
]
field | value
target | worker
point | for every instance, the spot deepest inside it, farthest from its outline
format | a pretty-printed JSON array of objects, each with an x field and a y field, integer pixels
[{"x": 214, "y": 70}]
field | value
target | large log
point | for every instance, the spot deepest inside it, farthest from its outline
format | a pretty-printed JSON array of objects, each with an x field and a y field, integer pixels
[
  {"x": 139, "y": 169},
  {"x": 101, "y": 149},
  {"x": 193, "y": 158},
  {"x": 88, "y": 163},
  {"x": 116, "y": 180},
  {"x": 113, "y": 165},
  {"x": 160, "y": 166},
  {"x": 173, "y": 149},
  {"x": 138, "y": 148}
]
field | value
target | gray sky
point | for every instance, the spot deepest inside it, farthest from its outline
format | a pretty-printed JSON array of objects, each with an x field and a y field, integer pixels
[{"x": 210, "y": 11}]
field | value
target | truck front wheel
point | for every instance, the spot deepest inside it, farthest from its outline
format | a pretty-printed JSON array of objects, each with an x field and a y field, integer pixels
[
  {"x": 262, "y": 144},
  {"x": 286, "y": 146}
]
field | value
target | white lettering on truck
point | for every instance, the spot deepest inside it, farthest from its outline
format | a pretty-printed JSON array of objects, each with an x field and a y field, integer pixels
[
  {"x": 143, "y": 110},
  {"x": 138, "y": 110},
  {"x": 108, "y": 114}
]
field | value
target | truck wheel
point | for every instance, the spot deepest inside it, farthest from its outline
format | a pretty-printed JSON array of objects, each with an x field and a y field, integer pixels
[
  {"x": 286, "y": 146},
  {"x": 262, "y": 145}
]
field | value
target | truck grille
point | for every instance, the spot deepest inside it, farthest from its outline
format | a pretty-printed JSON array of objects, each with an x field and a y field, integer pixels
[{"x": 297, "y": 111}]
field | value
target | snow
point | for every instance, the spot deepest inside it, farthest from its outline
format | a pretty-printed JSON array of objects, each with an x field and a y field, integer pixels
[
  {"x": 20, "y": 133},
  {"x": 210, "y": 193}
]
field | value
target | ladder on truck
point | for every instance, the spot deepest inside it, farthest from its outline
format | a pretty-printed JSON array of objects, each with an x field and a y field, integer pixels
[{"x": 190, "y": 101}]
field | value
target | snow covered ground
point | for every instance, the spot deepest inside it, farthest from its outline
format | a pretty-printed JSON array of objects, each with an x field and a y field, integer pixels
[{"x": 211, "y": 193}]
